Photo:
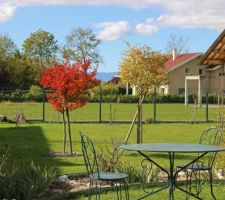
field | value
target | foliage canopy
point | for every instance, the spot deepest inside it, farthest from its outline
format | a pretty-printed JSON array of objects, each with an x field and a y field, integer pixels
[{"x": 143, "y": 68}]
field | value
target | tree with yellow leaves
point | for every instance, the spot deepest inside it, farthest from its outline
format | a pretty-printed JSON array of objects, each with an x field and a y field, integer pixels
[{"x": 142, "y": 68}]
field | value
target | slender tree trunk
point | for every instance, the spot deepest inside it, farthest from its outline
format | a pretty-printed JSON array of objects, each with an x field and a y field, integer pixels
[
  {"x": 64, "y": 130},
  {"x": 139, "y": 121},
  {"x": 69, "y": 131}
]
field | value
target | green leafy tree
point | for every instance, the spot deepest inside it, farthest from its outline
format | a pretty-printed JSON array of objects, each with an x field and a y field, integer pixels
[
  {"x": 82, "y": 44},
  {"x": 143, "y": 68},
  {"x": 7, "y": 47},
  {"x": 8, "y": 51},
  {"x": 41, "y": 46}
]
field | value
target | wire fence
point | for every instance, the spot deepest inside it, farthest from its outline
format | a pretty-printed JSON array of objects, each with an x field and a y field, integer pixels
[{"x": 166, "y": 108}]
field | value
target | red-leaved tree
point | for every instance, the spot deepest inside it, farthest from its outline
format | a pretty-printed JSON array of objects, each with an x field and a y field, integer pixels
[{"x": 68, "y": 85}]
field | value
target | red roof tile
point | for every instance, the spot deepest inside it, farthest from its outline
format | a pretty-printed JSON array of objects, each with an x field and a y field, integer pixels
[{"x": 180, "y": 58}]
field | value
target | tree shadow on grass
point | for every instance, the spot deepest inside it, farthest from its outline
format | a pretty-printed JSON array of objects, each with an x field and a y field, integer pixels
[{"x": 28, "y": 144}]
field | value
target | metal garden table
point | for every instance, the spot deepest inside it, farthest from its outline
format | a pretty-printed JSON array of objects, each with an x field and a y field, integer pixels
[{"x": 171, "y": 149}]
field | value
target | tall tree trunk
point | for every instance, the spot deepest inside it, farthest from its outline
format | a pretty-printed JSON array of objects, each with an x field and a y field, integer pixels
[
  {"x": 139, "y": 121},
  {"x": 69, "y": 131},
  {"x": 64, "y": 130}
]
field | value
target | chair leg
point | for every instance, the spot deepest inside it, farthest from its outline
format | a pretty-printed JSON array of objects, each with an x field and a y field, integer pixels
[
  {"x": 100, "y": 188},
  {"x": 120, "y": 190},
  {"x": 188, "y": 183},
  {"x": 117, "y": 190},
  {"x": 211, "y": 183},
  {"x": 126, "y": 188},
  {"x": 90, "y": 189},
  {"x": 96, "y": 191}
]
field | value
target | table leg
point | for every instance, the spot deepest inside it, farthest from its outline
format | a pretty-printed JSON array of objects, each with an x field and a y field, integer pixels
[
  {"x": 171, "y": 177},
  {"x": 183, "y": 168},
  {"x": 148, "y": 193}
]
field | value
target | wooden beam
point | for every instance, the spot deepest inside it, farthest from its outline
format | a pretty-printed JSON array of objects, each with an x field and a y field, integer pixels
[
  {"x": 214, "y": 62},
  {"x": 219, "y": 52}
]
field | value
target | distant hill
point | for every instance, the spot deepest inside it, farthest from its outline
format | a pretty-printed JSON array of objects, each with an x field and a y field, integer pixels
[{"x": 105, "y": 76}]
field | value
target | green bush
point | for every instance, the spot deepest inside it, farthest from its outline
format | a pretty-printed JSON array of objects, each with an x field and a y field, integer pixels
[
  {"x": 107, "y": 89},
  {"x": 34, "y": 94},
  {"x": 128, "y": 99},
  {"x": 137, "y": 174},
  {"x": 25, "y": 181}
]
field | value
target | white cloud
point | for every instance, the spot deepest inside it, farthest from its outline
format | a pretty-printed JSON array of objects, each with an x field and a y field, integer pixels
[
  {"x": 148, "y": 28},
  {"x": 113, "y": 30},
  {"x": 6, "y": 11},
  {"x": 208, "y": 14}
]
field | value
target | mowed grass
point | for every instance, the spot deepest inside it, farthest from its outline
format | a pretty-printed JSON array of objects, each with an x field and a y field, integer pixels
[
  {"x": 120, "y": 111},
  {"x": 219, "y": 191},
  {"x": 35, "y": 141}
]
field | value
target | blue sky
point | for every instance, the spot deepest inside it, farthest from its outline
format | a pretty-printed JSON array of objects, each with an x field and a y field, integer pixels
[{"x": 148, "y": 22}]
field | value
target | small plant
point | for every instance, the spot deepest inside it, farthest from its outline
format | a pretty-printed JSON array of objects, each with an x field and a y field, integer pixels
[
  {"x": 108, "y": 158},
  {"x": 19, "y": 118}
]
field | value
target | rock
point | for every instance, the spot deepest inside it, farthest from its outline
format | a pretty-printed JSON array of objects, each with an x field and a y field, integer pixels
[{"x": 63, "y": 178}]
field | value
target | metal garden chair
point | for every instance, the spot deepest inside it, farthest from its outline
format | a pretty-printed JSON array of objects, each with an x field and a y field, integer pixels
[
  {"x": 211, "y": 136},
  {"x": 97, "y": 177}
]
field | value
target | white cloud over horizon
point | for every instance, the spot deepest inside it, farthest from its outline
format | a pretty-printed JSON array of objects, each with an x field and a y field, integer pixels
[
  {"x": 113, "y": 30},
  {"x": 206, "y": 14},
  {"x": 148, "y": 28}
]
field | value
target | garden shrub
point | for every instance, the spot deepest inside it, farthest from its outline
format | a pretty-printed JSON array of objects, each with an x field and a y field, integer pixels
[
  {"x": 128, "y": 99},
  {"x": 107, "y": 89},
  {"x": 34, "y": 94},
  {"x": 137, "y": 174},
  {"x": 25, "y": 181},
  {"x": 108, "y": 156}
]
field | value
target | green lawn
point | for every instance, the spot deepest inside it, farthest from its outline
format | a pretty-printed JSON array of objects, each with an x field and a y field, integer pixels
[
  {"x": 35, "y": 141},
  {"x": 219, "y": 191},
  {"x": 120, "y": 111}
]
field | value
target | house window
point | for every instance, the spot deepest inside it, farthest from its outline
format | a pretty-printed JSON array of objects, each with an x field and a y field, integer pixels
[
  {"x": 181, "y": 91},
  {"x": 186, "y": 70},
  {"x": 222, "y": 74},
  {"x": 200, "y": 71}
]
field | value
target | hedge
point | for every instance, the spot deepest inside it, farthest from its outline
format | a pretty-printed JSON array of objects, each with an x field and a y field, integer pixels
[{"x": 21, "y": 96}]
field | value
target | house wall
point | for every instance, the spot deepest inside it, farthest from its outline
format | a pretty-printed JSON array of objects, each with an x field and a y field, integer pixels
[
  {"x": 214, "y": 80},
  {"x": 177, "y": 77}
]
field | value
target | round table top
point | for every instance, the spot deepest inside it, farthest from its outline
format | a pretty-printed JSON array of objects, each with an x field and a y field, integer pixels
[{"x": 172, "y": 147}]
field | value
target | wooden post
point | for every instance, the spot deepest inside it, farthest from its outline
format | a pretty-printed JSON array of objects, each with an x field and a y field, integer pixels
[
  {"x": 43, "y": 104},
  {"x": 139, "y": 121},
  {"x": 186, "y": 92},
  {"x": 199, "y": 93},
  {"x": 154, "y": 105},
  {"x": 100, "y": 104},
  {"x": 132, "y": 125},
  {"x": 207, "y": 107}
]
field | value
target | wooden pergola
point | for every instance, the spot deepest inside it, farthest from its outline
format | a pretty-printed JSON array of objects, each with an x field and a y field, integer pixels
[{"x": 215, "y": 55}]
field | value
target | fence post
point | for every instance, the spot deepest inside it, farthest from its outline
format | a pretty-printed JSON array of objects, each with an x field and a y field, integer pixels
[
  {"x": 43, "y": 104},
  {"x": 100, "y": 104},
  {"x": 207, "y": 107},
  {"x": 154, "y": 105}
]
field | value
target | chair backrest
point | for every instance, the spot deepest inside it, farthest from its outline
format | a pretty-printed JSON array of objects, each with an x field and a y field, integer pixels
[
  {"x": 211, "y": 136},
  {"x": 89, "y": 155}
]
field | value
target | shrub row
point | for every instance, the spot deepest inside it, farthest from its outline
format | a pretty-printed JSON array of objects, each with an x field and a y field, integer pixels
[
  {"x": 212, "y": 99},
  {"x": 21, "y": 96}
]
